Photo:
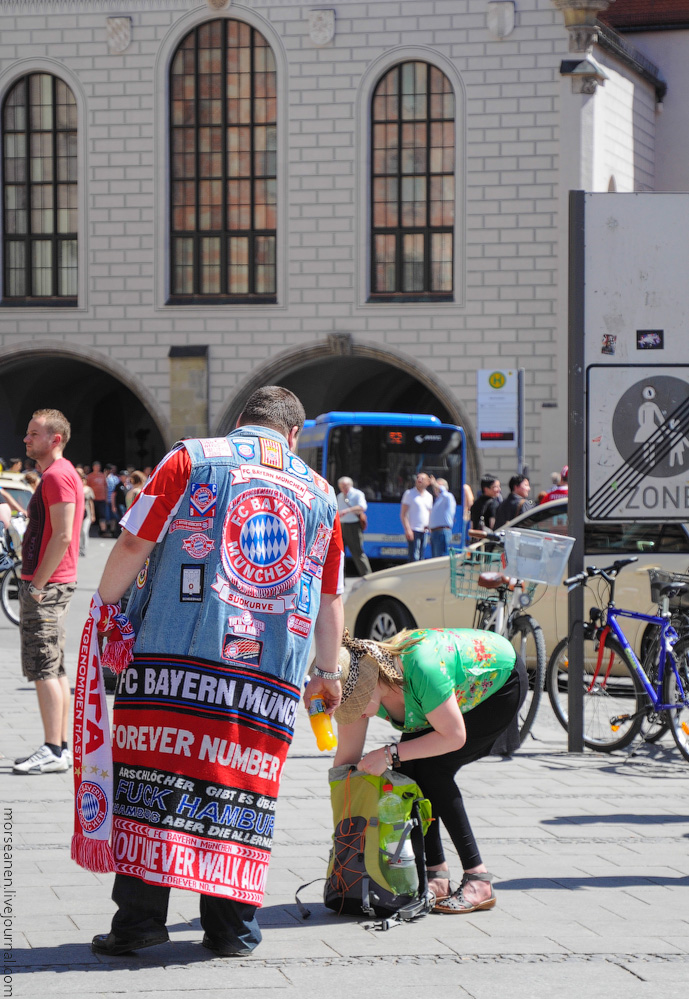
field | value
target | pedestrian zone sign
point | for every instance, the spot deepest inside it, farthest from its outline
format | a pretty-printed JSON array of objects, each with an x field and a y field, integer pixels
[{"x": 637, "y": 442}]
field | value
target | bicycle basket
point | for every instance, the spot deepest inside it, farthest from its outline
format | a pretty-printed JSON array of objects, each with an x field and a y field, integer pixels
[
  {"x": 537, "y": 556},
  {"x": 466, "y": 565},
  {"x": 660, "y": 577}
]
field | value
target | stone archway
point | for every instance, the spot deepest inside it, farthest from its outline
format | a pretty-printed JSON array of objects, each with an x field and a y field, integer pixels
[
  {"x": 110, "y": 420},
  {"x": 341, "y": 374}
]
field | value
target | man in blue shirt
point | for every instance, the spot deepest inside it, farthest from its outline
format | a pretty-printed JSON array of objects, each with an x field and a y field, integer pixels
[{"x": 442, "y": 517}]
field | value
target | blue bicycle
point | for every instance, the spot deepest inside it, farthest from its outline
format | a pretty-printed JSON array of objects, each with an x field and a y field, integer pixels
[{"x": 620, "y": 695}]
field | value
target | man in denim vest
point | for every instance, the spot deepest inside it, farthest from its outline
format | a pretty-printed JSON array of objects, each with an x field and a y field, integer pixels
[{"x": 236, "y": 553}]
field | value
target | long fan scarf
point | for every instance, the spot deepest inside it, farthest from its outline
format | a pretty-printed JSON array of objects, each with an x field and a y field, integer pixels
[{"x": 93, "y": 767}]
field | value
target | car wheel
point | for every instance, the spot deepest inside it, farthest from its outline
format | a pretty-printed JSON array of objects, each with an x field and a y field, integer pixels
[{"x": 387, "y": 618}]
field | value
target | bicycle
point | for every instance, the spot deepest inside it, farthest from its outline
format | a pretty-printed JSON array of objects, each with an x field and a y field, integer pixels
[
  {"x": 620, "y": 694},
  {"x": 472, "y": 573},
  {"x": 10, "y": 568}
]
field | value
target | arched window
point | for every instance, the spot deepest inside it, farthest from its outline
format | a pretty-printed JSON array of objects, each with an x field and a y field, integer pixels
[
  {"x": 413, "y": 185},
  {"x": 39, "y": 148},
  {"x": 223, "y": 159}
]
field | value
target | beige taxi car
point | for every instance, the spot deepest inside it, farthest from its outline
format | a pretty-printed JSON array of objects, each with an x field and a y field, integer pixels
[{"x": 418, "y": 594}]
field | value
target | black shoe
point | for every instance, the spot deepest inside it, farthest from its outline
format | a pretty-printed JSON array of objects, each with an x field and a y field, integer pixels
[
  {"x": 225, "y": 949},
  {"x": 108, "y": 943}
]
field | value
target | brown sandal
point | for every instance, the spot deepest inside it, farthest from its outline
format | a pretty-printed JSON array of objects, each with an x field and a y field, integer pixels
[{"x": 455, "y": 903}]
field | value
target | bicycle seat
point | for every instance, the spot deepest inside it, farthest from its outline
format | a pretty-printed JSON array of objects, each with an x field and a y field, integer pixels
[{"x": 494, "y": 580}]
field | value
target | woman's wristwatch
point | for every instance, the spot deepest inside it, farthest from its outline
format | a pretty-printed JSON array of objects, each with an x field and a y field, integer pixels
[
  {"x": 394, "y": 755},
  {"x": 324, "y": 674}
]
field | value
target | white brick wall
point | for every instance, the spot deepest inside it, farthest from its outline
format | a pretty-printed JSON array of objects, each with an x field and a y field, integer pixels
[{"x": 510, "y": 294}]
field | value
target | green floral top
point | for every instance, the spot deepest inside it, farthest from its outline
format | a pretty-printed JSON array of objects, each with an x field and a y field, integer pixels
[{"x": 465, "y": 662}]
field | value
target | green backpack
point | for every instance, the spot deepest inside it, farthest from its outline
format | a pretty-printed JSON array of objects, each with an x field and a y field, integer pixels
[{"x": 355, "y": 881}]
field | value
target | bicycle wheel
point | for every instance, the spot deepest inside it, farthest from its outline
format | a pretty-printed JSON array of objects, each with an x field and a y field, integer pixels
[
  {"x": 619, "y": 697},
  {"x": 676, "y": 691},
  {"x": 9, "y": 592},
  {"x": 527, "y": 638},
  {"x": 654, "y": 724}
]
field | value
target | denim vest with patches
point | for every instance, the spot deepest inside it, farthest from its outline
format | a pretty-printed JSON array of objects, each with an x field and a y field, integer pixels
[{"x": 237, "y": 577}]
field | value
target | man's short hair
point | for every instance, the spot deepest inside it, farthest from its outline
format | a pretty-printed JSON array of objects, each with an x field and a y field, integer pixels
[
  {"x": 344, "y": 478},
  {"x": 488, "y": 481},
  {"x": 275, "y": 407},
  {"x": 517, "y": 480},
  {"x": 55, "y": 423}
]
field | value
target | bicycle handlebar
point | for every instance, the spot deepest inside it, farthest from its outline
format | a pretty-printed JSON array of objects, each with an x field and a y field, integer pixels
[{"x": 608, "y": 574}]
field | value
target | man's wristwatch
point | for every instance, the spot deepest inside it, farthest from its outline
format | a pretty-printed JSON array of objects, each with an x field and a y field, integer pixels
[
  {"x": 324, "y": 674},
  {"x": 33, "y": 590}
]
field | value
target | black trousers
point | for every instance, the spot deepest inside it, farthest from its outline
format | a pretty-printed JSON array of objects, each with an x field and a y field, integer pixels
[
  {"x": 436, "y": 775},
  {"x": 142, "y": 911}
]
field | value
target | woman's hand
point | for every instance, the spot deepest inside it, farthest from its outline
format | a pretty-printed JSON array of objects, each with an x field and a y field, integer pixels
[{"x": 374, "y": 763}]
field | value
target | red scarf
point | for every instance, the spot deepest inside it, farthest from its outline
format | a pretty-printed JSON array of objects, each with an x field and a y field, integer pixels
[{"x": 93, "y": 789}]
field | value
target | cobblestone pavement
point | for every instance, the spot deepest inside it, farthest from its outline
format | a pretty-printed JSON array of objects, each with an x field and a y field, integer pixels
[{"x": 589, "y": 853}]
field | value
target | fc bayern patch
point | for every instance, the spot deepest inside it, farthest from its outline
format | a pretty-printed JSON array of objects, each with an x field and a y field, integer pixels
[
  {"x": 242, "y": 651},
  {"x": 202, "y": 499},
  {"x": 198, "y": 545},
  {"x": 262, "y": 547},
  {"x": 92, "y": 806}
]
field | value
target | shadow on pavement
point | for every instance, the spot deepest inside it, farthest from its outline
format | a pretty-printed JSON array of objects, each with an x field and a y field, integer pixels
[
  {"x": 574, "y": 884},
  {"x": 622, "y": 818}
]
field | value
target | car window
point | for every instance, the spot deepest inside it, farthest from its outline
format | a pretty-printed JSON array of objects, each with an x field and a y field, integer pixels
[
  {"x": 552, "y": 521},
  {"x": 609, "y": 538},
  {"x": 636, "y": 539}
]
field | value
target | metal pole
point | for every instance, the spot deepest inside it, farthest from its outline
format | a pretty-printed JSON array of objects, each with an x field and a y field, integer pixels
[
  {"x": 576, "y": 460},
  {"x": 520, "y": 421}
]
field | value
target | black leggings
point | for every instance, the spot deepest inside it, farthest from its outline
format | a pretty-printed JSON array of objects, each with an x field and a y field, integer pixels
[{"x": 436, "y": 774}]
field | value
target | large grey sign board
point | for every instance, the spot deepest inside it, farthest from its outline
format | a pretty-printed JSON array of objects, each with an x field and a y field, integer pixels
[{"x": 636, "y": 356}]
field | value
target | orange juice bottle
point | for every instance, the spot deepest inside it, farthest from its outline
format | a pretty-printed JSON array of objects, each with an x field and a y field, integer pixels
[{"x": 322, "y": 725}]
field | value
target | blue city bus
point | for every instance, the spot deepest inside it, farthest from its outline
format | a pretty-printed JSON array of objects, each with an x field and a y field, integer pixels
[{"x": 382, "y": 453}]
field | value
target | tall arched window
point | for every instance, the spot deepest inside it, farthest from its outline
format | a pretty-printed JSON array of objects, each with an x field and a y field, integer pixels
[
  {"x": 223, "y": 158},
  {"x": 39, "y": 143},
  {"x": 413, "y": 185}
]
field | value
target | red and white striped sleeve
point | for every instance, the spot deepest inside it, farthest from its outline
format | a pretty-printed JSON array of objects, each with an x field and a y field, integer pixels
[
  {"x": 152, "y": 511},
  {"x": 333, "y": 570}
]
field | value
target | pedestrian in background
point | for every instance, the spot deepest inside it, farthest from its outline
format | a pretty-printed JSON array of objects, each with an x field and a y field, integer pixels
[
  {"x": 137, "y": 480},
  {"x": 442, "y": 517},
  {"x": 97, "y": 480},
  {"x": 351, "y": 509},
  {"x": 560, "y": 488},
  {"x": 517, "y": 502},
  {"x": 485, "y": 507},
  {"x": 415, "y": 513},
  {"x": 50, "y": 551},
  {"x": 89, "y": 515}
]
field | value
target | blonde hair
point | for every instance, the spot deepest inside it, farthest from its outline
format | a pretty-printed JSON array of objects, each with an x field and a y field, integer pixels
[
  {"x": 55, "y": 423},
  {"x": 397, "y": 646}
]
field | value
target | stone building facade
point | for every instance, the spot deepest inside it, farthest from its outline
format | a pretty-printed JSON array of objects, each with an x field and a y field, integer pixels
[{"x": 137, "y": 361}]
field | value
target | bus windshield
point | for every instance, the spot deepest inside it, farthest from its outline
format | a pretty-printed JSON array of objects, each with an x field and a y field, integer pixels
[{"x": 384, "y": 460}]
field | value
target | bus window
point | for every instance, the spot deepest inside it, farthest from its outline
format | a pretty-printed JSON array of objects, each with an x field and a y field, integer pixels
[{"x": 383, "y": 461}]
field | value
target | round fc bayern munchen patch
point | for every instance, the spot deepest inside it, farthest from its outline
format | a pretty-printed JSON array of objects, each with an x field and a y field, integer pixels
[
  {"x": 263, "y": 542},
  {"x": 92, "y": 806}
]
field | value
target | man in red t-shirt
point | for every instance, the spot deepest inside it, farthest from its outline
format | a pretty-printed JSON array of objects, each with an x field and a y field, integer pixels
[{"x": 50, "y": 552}]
